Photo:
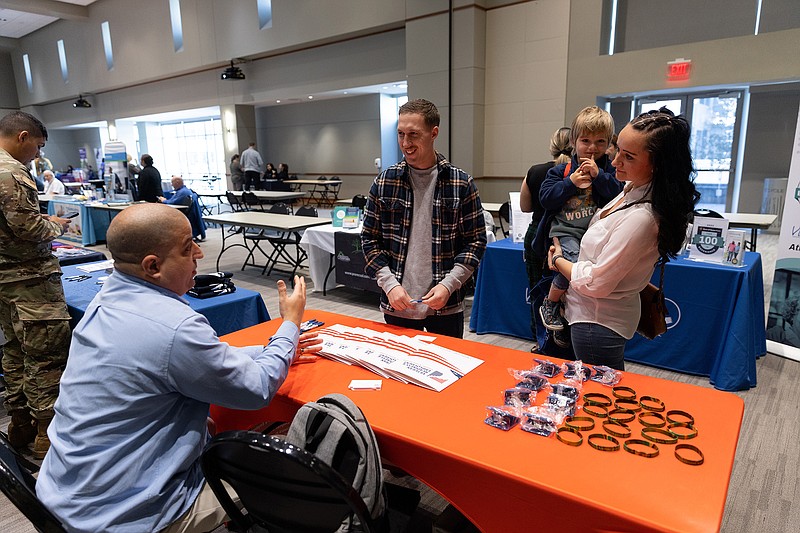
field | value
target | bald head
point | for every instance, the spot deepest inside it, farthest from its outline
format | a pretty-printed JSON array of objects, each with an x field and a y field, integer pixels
[
  {"x": 48, "y": 175},
  {"x": 177, "y": 182},
  {"x": 141, "y": 230}
]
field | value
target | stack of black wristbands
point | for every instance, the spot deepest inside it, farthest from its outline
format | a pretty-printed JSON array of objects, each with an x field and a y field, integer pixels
[{"x": 214, "y": 284}]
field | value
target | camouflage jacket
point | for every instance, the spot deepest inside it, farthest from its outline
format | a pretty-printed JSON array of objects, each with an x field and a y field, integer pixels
[{"x": 25, "y": 235}]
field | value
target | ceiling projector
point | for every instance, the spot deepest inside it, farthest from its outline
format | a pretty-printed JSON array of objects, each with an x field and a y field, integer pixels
[
  {"x": 80, "y": 102},
  {"x": 232, "y": 73}
]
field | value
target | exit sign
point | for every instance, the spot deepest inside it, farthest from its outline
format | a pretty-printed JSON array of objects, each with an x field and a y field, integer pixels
[{"x": 679, "y": 70}]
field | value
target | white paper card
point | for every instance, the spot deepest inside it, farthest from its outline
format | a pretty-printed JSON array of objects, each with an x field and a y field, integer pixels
[
  {"x": 519, "y": 220},
  {"x": 365, "y": 384}
]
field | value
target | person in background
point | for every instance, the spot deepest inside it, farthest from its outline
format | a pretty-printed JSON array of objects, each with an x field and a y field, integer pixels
[
  {"x": 131, "y": 421},
  {"x": 237, "y": 175},
  {"x": 561, "y": 151},
  {"x": 421, "y": 262},
  {"x": 182, "y": 195},
  {"x": 613, "y": 148},
  {"x": 52, "y": 185},
  {"x": 33, "y": 313},
  {"x": 270, "y": 172},
  {"x": 283, "y": 172},
  {"x": 149, "y": 181},
  {"x": 571, "y": 193},
  {"x": 251, "y": 165},
  {"x": 645, "y": 224}
]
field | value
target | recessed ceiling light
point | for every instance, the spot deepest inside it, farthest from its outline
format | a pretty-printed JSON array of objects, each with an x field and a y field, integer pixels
[
  {"x": 310, "y": 97},
  {"x": 384, "y": 87},
  {"x": 345, "y": 92},
  {"x": 277, "y": 101}
]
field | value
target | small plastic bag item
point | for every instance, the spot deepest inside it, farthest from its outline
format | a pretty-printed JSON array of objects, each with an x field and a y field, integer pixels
[
  {"x": 562, "y": 404},
  {"x": 534, "y": 382},
  {"x": 546, "y": 368},
  {"x": 606, "y": 375},
  {"x": 519, "y": 396},
  {"x": 529, "y": 375},
  {"x": 570, "y": 389},
  {"x": 505, "y": 417},
  {"x": 573, "y": 369},
  {"x": 540, "y": 421}
]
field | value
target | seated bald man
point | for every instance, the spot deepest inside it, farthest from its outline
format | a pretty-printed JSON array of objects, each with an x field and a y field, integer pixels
[
  {"x": 180, "y": 195},
  {"x": 130, "y": 420}
]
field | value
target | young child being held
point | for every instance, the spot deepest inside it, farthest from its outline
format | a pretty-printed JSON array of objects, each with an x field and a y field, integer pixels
[{"x": 571, "y": 194}]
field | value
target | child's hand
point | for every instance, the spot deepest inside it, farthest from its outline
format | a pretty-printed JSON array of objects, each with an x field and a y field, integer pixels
[
  {"x": 588, "y": 166},
  {"x": 581, "y": 179}
]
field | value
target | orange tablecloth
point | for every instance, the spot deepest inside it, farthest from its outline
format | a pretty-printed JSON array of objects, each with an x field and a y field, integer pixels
[{"x": 511, "y": 481}]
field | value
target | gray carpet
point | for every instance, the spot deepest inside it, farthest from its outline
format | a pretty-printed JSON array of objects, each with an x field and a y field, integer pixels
[{"x": 765, "y": 482}]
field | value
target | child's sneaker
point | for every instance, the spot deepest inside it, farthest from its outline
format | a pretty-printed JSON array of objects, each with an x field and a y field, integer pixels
[
  {"x": 562, "y": 338},
  {"x": 551, "y": 315}
]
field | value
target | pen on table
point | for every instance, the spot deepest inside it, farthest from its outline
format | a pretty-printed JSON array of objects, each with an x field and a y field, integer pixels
[{"x": 419, "y": 301}]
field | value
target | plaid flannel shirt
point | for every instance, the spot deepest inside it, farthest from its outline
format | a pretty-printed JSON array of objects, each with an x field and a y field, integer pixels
[{"x": 458, "y": 230}]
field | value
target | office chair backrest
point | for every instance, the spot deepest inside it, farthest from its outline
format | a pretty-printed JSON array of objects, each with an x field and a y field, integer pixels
[
  {"x": 359, "y": 201},
  {"x": 280, "y": 208},
  {"x": 19, "y": 486},
  {"x": 282, "y": 487},
  {"x": 307, "y": 211}
]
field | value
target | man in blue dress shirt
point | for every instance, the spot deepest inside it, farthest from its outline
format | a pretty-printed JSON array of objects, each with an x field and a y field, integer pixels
[
  {"x": 131, "y": 418},
  {"x": 181, "y": 194}
]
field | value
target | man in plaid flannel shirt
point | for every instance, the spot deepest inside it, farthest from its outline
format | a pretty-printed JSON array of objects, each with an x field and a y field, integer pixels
[{"x": 424, "y": 232}]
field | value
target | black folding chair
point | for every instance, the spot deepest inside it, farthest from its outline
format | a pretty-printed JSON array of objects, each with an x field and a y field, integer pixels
[
  {"x": 19, "y": 486},
  {"x": 282, "y": 487},
  {"x": 251, "y": 201},
  {"x": 282, "y": 240},
  {"x": 505, "y": 216}
]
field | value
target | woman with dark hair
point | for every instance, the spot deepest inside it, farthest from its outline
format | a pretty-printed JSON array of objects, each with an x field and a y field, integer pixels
[
  {"x": 644, "y": 226},
  {"x": 283, "y": 172}
]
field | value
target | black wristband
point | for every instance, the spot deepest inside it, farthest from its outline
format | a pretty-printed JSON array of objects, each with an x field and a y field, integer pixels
[{"x": 553, "y": 262}]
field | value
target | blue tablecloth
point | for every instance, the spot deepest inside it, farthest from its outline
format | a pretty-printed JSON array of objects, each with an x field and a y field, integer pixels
[
  {"x": 226, "y": 313},
  {"x": 716, "y": 312}
]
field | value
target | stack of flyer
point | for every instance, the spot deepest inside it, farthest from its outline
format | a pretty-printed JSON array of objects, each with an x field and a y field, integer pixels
[{"x": 406, "y": 359}]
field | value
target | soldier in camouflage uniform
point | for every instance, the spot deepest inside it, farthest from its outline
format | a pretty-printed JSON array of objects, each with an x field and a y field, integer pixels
[{"x": 33, "y": 313}]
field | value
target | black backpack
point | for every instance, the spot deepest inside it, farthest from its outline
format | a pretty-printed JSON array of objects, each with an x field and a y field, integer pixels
[{"x": 335, "y": 430}]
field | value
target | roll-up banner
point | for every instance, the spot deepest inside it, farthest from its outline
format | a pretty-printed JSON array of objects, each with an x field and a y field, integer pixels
[{"x": 783, "y": 320}]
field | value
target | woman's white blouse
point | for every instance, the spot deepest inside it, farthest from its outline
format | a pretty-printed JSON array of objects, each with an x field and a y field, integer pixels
[{"x": 616, "y": 260}]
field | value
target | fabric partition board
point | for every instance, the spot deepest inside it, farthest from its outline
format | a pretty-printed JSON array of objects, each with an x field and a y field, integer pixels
[
  {"x": 482, "y": 470},
  {"x": 226, "y": 313},
  {"x": 716, "y": 324}
]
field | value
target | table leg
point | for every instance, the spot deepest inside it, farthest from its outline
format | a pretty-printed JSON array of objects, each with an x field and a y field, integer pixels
[
  {"x": 331, "y": 268},
  {"x": 224, "y": 247}
]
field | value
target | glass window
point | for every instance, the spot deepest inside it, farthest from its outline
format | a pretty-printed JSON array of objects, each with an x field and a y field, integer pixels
[
  {"x": 194, "y": 150},
  {"x": 713, "y": 119}
]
